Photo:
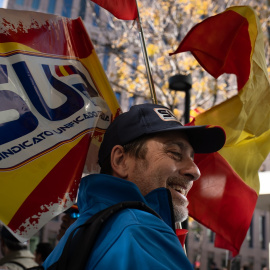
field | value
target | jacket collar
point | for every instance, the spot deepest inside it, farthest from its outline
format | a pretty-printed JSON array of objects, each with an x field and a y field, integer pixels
[
  {"x": 160, "y": 200},
  {"x": 111, "y": 190}
]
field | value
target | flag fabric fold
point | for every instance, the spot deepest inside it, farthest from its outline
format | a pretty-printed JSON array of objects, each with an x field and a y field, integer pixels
[
  {"x": 55, "y": 105},
  {"x": 121, "y": 9},
  {"x": 225, "y": 197}
]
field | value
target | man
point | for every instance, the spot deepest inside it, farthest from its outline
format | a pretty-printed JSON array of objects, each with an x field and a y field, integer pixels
[
  {"x": 16, "y": 254},
  {"x": 69, "y": 217},
  {"x": 146, "y": 155},
  {"x": 42, "y": 252}
]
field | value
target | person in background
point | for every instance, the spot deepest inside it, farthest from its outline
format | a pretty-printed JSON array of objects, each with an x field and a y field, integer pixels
[
  {"x": 42, "y": 252},
  {"x": 16, "y": 254},
  {"x": 69, "y": 217},
  {"x": 213, "y": 266}
]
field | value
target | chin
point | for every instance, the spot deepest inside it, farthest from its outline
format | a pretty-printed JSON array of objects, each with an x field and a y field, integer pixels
[{"x": 180, "y": 213}]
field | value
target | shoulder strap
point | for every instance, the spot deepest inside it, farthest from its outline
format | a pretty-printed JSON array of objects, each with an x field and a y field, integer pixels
[
  {"x": 39, "y": 267},
  {"x": 17, "y": 263},
  {"x": 84, "y": 240}
]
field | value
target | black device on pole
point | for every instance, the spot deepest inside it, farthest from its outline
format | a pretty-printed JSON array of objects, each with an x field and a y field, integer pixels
[{"x": 182, "y": 83}]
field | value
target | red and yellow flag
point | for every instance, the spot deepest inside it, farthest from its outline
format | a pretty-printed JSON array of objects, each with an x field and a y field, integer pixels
[
  {"x": 121, "y": 9},
  {"x": 225, "y": 197},
  {"x": 55, "y": 105}
]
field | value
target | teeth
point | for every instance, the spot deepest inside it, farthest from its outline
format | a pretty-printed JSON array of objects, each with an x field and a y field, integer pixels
[{"x": 178, "y": 189}]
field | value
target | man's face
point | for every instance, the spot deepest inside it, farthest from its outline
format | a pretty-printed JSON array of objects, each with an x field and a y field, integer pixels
[
  {"x": 66, "y": 222},
  {"x": 168, "y": 163}
]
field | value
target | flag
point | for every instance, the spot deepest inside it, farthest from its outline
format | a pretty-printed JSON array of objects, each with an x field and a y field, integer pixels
[
  {"x": 121, "y": 9},
  {"x": 55, "y": 105},
  {"x": 181, "y": 235},
  {"x": 225, "y": 196}
]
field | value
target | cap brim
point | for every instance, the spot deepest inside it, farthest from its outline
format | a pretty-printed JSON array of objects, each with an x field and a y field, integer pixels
[
  {"x": 203, "y": 139},
  {"x": 206, "y": 139}
]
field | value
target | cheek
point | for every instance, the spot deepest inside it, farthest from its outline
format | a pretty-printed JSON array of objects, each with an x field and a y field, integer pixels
[
  {"x": 150, "y": 180},
  {"x": 166, "y": 168},
  {"x": 158, "y": 176},
  {"x": 155, "y": 175}
]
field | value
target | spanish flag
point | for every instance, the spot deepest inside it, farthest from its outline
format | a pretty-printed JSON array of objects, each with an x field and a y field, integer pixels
[
  {"x": 121, "y": 9},
  {"x": 55, "y": 105},
  {"x": 225, "y": 196}
]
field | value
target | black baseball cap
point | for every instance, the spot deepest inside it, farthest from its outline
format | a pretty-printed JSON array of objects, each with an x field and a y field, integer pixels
[
  {"x": 6, "y": 234},
  {"x": 146, "y": 119},
  {"x": 10, "y": 239}
]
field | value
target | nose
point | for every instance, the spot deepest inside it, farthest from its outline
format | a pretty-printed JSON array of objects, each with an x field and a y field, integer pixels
[{"x": 190, "y": 170}]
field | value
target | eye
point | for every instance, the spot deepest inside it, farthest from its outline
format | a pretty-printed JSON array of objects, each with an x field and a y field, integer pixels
[{"x": 175, "y": 155}]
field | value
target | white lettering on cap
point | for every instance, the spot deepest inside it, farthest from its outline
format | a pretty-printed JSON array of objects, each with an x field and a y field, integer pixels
[{"x": 165, "y": 114}]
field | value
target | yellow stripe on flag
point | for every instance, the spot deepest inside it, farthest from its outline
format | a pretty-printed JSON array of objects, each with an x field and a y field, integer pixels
[
  {"x": 16, "y": 184},
  {"x": 14, "y": 46},
  {"x": 94, "y": 67},
  {"x": 63, "y": 71}
]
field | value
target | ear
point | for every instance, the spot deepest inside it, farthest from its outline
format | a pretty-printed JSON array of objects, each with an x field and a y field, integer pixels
[
  {"x": 119, "y": 162},
  {"x": 38, "y": 259}
]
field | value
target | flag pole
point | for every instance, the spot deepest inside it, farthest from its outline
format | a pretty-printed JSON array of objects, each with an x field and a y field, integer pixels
[
  {"x": 146, "y": 60},
  {"x": 228, "y": 259}
]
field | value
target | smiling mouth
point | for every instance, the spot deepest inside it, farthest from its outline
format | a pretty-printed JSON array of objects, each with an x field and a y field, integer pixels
[{"x": 179, "y": 189}]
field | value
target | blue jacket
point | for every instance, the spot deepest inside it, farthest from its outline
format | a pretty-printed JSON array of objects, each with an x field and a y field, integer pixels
[{"x": 131, "y": 239}]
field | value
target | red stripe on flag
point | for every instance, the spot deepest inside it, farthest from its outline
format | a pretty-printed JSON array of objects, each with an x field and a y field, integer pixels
[
  {"x": 69, "y": 69},
  {"x": 53, "y": 186},
  {"x": 54, "y": 37},
  {"x": 58, "y": 71},
  {"x": 121, "y": 9},
  {"x": 221, "y": 201},
  {"x": 217, "y": 44}
]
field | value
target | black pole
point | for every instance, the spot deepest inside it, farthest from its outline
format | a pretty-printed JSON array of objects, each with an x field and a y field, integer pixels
[
  {"x": 187, "y": 106},
  {"x": 183, "y": 83}
]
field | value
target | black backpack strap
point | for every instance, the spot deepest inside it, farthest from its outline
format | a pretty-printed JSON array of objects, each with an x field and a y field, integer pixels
[
  {"x": 17, "y": 263},
  {"x": 83, "y": 241}
]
